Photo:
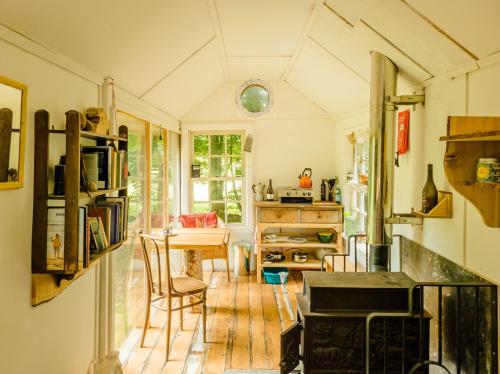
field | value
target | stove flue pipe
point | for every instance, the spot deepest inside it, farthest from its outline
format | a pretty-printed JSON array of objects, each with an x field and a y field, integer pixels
[{"x": 381, "y": 161}]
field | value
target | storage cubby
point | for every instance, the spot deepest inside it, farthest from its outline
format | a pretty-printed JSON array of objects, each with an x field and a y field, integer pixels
[{"x": 467, "y": 140}]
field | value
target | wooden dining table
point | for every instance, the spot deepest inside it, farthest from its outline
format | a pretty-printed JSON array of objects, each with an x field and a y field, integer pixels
[{"x": 192, "y": 241}]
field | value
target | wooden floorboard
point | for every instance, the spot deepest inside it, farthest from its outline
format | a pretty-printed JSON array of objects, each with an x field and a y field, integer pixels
[{"x": 244, "y": 323}]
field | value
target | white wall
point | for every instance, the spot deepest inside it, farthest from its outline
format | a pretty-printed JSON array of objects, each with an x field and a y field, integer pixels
[
  {"x": 57, "y": 337},
  {"x": 464, "y": 239},
  {"x": 295, "y": 134}
]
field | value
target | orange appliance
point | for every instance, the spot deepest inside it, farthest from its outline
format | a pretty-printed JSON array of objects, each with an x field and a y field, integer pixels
[{"x": 305, "y": 180}]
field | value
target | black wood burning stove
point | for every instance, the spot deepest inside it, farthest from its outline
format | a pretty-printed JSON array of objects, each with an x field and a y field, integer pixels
[{"x": 332, "y": 313}]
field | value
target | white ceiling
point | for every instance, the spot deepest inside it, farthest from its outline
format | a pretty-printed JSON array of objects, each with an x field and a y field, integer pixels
[{"x": 175, "y": 53}]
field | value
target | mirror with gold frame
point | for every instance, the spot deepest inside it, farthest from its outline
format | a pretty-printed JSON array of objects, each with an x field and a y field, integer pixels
[{"x": 13, "y": 96}]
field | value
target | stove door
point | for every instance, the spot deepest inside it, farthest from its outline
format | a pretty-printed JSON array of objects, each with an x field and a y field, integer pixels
[{"x": 290, "y": 348}]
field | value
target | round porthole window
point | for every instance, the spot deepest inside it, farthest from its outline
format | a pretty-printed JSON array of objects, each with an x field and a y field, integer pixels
[{"x": 255, "y": 97}]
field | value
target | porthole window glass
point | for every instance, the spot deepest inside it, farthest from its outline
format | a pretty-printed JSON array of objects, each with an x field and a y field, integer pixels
[{"x": 255, "y": 97}]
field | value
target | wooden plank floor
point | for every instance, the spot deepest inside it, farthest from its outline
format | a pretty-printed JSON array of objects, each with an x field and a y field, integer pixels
[{"x": 244, "y": 322}]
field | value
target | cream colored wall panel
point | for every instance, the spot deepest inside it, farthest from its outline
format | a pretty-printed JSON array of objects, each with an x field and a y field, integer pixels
[
  {"x": 414, "y": 36},
  {"x": 328, "y": 82},
  {"x": 292, "y": 103},
  {"x": 484, "y": 92},
  {"x": 190, "y": 84},
  {"x": 267, "y": 68},
  {"x": 134, "y": 42},
  {"x": 263, "y": 27},
  {"x": 474, "y": 24},
  {"x": 482, "y": 241},
  {"x": 219, "y": 106},
  {"x": 44, "y": 339},
  {"x": 443, "y": 236}
]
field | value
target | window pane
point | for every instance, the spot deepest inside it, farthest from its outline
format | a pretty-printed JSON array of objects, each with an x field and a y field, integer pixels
[
  {"x": 157, "y": 198},
  {"x": 201, "y": 145},
  {"x": 174, "y": 175},
  {"x": 200, "y": 191},
  {"x": 233, "y": 144},
  {"x": 220, "y": 208},
  {"x": 203, "y": 162},
  {"x": 234, "y": 190},
  {"x": 235, "y": 167},
  {"x": 234, "y": 214},
  {"x": 217, "y": 145},
  {"x": 217, "y": 190},
  {"x": 217, "y": 167},
  {"x": 200, "y": 207}
]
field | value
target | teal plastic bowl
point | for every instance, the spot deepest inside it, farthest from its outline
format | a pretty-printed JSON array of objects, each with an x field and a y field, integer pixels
[
  {"x": 275, "y": 275},
  {"x": 325, "y": 237}
]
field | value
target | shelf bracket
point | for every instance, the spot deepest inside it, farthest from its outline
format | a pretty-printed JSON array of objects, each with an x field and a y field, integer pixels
[
  {"x": 404, "y": 219},
  {"x": 406, "y": 99}
]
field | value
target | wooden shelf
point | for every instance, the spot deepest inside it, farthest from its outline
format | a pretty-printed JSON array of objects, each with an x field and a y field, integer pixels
[
  {"x": 312, "y": 263},
  {"x": 47, "y": 283},
  {"x": 94, "y": 256},
  {"x": 443, "y": 209},
  {"x": 337, "y": 226},
  {"x": 85, "y": 195},
  {"x": 468, "y": 139},
  {"x": 474, "y": 137},
  {"x": 92, "y": 135},
  {"x": 312, "y": 242}
]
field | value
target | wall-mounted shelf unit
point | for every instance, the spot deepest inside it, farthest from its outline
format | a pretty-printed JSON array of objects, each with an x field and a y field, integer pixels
[
  {"x": 467, "y": 140},
  {"x": 47, "y": 281},
  {"x": 443, "y": 209}
]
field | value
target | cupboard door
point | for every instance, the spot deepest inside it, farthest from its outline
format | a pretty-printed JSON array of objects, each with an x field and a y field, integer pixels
[
  {"x": 290, "y": 348},
  {"x": 320, "y": 216},
  {"x": 268, "y": 215}
]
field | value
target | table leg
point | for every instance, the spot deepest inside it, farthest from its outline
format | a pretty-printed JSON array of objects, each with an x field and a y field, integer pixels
[{"x": 193, "y": 261}]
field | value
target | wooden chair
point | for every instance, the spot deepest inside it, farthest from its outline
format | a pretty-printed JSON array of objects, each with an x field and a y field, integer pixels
[{"x": 173, "y": 287}]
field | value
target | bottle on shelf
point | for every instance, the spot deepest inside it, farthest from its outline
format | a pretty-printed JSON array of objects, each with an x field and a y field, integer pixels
[
  {"x": 429, "y": 192},
  {"x": 338, "y": 195},
  {"x": 323, "y": 190},
  {"x": 270, "y": 191}
]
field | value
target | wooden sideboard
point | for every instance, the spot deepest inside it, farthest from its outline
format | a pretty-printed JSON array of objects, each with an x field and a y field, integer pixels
[{"x": 295, "y": 220}]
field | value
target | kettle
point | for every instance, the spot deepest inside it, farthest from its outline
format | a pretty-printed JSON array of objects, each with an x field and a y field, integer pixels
[
  {"x": 258, "y": 192},
  {"x": 305, "y": 180}
]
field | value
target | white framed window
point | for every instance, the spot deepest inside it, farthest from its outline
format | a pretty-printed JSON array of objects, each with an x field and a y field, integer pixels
[
  {"x": 218, "y": 175},
  {"x": 358, "y": 184}
]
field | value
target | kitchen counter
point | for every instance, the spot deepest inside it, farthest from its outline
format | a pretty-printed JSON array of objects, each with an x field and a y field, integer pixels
[{"x": 315, "y": 204}]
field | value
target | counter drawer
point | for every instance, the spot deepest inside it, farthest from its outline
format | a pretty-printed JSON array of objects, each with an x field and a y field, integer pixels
[
  {"x": 268, "y": 215},
  {"x": 320, "y": 216}
]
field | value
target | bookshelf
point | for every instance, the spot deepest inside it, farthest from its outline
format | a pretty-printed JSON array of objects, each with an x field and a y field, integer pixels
[{"x": 48, "y": 282}]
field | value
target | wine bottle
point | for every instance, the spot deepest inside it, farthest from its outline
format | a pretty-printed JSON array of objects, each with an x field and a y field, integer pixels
[
  {"x": 429, "y": 192},
  {"x": 323, "y": 190},
  {"x": 338, "y": 195},
  {"x": 270, "y": 191}
]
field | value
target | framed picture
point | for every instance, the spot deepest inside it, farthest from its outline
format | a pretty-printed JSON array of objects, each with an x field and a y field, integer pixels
[
  {"x": 55, "y": 238},
  {"x": 97, "y": 232}
]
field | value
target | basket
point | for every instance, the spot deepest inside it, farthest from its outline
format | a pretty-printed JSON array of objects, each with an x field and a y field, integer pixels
[{"x": 275, "y": 275}]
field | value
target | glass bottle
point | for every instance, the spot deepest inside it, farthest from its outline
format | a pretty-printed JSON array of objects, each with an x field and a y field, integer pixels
[{"x": 429, "y": 192}]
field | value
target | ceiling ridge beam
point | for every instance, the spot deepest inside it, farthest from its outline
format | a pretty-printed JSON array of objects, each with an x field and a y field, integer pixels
[
  {"x": 213, "y": 13},
  {"x": 338, "y": 59},
  {"x": 396, "y": 47},
  {"x": 440, "y": 30},
  {"x": 177, "y": 66},
  {"x": 300, "y": 45}
]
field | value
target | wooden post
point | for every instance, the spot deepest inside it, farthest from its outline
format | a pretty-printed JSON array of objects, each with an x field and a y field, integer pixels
[
  {"x": 72, "y": 189},
  {"x": 5, "y": 140},
  {"x": 39, "y": 230}
]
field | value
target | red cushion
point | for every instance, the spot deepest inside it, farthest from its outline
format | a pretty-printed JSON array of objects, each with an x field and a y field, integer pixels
[
  {"x": 210, "y": 219},
  {"x": 199, "y": 220},
  {"x": 192, "y": 220}
]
